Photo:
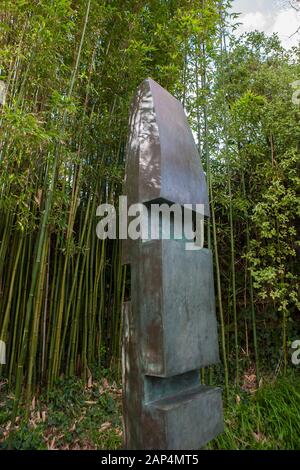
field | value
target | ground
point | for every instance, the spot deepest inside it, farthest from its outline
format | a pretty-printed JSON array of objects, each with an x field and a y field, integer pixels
[
  {"x": 75, "y": 415},
  {"x": 262, "y": 418}
]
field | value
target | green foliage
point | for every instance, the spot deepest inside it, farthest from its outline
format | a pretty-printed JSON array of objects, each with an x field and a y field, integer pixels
[
  {"x": 71, "y": 416},
  {"x": 266, "y": 420},
  {"x": 71, "y": 69},
  {"x": 250, "y": 133},
  {"x": 74, "y": 416}
]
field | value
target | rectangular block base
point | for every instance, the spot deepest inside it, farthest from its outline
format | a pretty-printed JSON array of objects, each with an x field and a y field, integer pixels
[{"x": 190, "y": 419}]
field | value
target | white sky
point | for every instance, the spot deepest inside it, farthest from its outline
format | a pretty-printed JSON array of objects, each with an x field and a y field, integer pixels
[{"x": 269, "y": 16}]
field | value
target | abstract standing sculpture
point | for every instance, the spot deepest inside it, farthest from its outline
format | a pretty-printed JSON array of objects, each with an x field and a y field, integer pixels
[{"x": 169, "y": 323}]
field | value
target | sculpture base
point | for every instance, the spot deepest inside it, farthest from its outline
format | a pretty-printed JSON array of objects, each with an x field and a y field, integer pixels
[{"x": 190, "y": 419}]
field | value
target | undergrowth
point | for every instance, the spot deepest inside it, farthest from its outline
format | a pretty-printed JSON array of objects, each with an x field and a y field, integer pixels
[
  {"x": 268, "y": 419},
  {"x": 75, "y": 415},
  {"x": 72, "y": 416}
]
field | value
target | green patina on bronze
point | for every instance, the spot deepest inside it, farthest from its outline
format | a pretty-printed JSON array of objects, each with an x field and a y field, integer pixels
[{"x": 170, "y": 327}]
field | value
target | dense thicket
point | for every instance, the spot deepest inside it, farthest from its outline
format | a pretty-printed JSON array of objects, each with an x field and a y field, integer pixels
[
  {"x": 70, "y": 69},
  {"x": 253, "y": 145}
]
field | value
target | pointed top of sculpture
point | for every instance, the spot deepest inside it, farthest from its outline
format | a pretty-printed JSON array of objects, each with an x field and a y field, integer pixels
[{"x": 163, "y": 162}]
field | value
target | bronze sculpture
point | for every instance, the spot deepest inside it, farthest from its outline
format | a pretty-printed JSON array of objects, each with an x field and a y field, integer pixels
[{"x": 170, "y": 328}]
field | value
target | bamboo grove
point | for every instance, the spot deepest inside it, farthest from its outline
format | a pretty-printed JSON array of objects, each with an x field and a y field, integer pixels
[{"x": 70, "y": 69}]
